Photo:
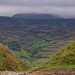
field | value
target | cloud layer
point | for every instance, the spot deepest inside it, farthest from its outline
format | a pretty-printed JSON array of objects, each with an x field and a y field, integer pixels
[{"x": 64, "y": 8}]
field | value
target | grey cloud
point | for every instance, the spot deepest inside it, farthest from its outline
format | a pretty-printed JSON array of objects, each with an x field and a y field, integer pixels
[
  {"x": 66, "y": 12},
  {"x": 64, "y": 8},
  {"x": 38, "y": 2}
]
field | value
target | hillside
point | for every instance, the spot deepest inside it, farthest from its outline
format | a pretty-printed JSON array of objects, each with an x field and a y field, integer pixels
[
  {"x": 65, "y": 55},
  {"x": 8, "y": 61},
  {"x": 64, "y": 58}
]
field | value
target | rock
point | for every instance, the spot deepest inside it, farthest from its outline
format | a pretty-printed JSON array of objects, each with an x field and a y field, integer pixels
[
  {"x": 73, "y": 72},
  {"x": 48, "y": 72}
]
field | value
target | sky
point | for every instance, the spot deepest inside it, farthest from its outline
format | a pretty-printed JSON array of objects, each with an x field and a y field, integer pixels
[{"x": 64, "y": 8}]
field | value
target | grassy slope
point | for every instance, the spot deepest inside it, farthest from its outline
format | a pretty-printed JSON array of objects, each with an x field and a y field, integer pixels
[
  {"x": 64, "y": 58},
  {"x": 8, "y": 61}
]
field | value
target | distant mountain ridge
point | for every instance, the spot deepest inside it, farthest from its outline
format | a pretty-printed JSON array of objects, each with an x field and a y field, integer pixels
[
  {"x": 36, "y": 19},
  {"x": 37, "y": 16}
]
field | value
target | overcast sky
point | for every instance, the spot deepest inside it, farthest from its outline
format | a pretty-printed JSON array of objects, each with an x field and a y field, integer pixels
[{"x": 64, "y": 8}]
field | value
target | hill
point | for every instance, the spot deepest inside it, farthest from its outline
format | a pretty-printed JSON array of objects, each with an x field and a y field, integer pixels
[
  {"x": 64, "y": 58},
  {"x": 65, "y": 55},
  {"x": 36, "y": 16},
  {"x": 8, "y": 61}
]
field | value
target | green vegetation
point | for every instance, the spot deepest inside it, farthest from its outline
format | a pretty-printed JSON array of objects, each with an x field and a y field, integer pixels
[
  {"x": 38, "y": 62},
  {"x": 22, "y": 54},
  {"x": 13, "y": 45},
  {"x": 37, "y": 44},
  {"x": 9, "y": 62},
  {"x": 64, "y": 58},
  {"x": 34, "y": 46},
  {"x": 59, "y": 67},
  {"x": 65, "y": 55},
  {"x": 34, "y": 53}
]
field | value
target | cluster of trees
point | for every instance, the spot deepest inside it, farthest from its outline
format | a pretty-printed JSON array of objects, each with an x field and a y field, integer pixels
[{"x": 13, "y": 45}]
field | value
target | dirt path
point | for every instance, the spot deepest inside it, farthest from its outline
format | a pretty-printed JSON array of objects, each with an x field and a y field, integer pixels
[{"x": 48, "y": 72}]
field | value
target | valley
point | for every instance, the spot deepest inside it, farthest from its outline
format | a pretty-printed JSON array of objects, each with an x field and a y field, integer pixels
[
  {"x": 37, "y": 37},
  {"x": 35, "y": 40}
]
